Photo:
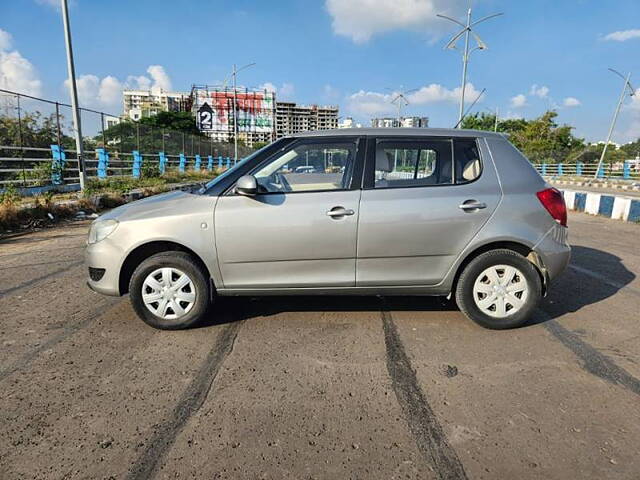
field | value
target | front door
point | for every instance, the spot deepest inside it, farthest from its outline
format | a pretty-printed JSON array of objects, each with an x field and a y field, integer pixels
[
  {"x": 300, "y": 230},
  {"x": 423, "y": 202}
]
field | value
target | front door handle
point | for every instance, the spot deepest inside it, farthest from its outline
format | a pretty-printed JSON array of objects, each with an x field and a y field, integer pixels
[
  {"x": 472, "y": 205},
  {"x": 340, "y": 212}
]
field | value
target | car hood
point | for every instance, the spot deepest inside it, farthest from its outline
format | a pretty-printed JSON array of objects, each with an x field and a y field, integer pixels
[{"x": 165, "y": 204}]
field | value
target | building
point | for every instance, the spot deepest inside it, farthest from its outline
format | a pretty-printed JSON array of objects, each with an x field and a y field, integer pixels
[
  {"x": 349, "y": 123},
  {"x": 110, "y": 121},
  {"x": 146, "y": 103},
  {"x": 404, "y": 122},
  {"x": 293, "y": 118}
]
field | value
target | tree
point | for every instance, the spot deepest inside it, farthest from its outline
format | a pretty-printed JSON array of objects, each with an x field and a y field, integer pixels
[
  {"x": 178, "y": 121},
  {"x": 631, "y": 150},
  {"x": 540, "y": 139}
]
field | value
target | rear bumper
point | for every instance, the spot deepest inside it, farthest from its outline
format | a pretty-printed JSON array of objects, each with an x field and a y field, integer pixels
[{"x": 554, "y": 251}]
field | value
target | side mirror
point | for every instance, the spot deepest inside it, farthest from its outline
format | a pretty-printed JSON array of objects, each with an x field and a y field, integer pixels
[{"x": 247, "y": 185}]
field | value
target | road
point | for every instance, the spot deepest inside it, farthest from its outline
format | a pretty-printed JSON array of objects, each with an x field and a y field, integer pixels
[{"x": 302, "y": 388}]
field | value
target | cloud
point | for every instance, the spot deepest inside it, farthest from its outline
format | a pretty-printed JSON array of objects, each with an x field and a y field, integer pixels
[
  {"x": 376, "y": 103},
  {"x": 110, "y": 91},
  {"x": 623, "y": 35},
  {"x": 362, "y": 19},
  {"x": 50, "y": 3},
  {"x": 284, "y": 92},
  {"x": 571, "y": 102},
  {"x": 518, "y": 101},
  {"x": 330, "y": 92},
  {"x": 16, "y": 72},
  {"x": 106, "y": 92},
  {"x": 160, "y": 79},
  {"x": 5, "y": 40},
  {"x": 540, "y": 92},
  {"x": 87, "y": 86}
]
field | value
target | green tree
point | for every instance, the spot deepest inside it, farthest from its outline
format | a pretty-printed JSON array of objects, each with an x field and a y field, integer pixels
[
  {"x": 178, "y": 121},
  {"x": 631, "y": 150}
]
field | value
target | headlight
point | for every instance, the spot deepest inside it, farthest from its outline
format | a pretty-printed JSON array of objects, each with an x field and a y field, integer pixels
[{"x": 101, "y": 229}]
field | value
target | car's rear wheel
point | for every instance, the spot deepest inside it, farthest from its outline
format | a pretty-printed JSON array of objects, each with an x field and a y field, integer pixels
[
  {"x": 169, "y": 291},
  {"x": 499, "y": 289}
]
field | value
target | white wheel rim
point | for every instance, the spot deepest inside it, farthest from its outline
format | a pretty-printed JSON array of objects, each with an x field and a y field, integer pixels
[
  {"x": 500, "y": 291},
  {"x": 168, "y": 293}
]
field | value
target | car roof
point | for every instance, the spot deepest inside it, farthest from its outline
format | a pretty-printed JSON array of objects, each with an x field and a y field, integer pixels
[{"x": 400, "y": 132}]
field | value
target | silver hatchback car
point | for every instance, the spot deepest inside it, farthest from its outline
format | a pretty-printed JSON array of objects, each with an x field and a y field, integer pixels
[{"x": 371, "y": 212}]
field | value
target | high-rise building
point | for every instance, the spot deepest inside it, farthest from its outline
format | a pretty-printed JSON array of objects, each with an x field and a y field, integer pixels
[
  {"x": 146, "y": 103},
  {"x": 349, "y": 123},
  {"x": 293, "y": 118},
  {"x": 404, "y": 122}
]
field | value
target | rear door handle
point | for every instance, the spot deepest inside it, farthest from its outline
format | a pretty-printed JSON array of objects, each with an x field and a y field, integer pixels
[
  {"x": 472, "y": 205},
  {"x": 340, "y": 212}
]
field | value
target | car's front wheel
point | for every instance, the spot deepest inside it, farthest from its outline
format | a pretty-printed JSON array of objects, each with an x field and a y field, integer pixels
[
  {"x": 169, "y": 291},
  {"x": 499, "y": 289}
]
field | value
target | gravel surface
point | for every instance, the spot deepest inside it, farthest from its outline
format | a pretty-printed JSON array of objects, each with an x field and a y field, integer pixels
[{"x": 323, "y": 387}]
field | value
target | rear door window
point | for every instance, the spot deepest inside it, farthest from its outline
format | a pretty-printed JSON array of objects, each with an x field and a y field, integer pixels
[{"x": 409, "y": 163}]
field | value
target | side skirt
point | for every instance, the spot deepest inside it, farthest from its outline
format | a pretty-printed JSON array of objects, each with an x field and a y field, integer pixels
[{"x": 417, "y": 290}]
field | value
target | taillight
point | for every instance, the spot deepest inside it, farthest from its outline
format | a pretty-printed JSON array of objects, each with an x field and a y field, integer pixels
[{"x": 553, "y": 201}]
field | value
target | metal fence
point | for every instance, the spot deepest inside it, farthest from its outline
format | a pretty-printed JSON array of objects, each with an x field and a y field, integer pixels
[
  {"x": 37, "y": 146},
  {"x": 616, "y": 171}
]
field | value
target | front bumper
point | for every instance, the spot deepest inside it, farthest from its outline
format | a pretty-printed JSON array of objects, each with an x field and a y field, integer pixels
[{"x": 108, "y": 256}]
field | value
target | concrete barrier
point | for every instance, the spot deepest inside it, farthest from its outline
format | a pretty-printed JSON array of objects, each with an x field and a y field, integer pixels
[{"x": 617, "y": 207}]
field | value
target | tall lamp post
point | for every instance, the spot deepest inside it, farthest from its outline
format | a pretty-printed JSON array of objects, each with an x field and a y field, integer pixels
[
  {"x": 467, "y": 30},
  {"x": 74, "y": 94},
  {"x": 401, "y": 101},
  {"x": 234, "y": 74},
  {"x": 627, "y": 85}
]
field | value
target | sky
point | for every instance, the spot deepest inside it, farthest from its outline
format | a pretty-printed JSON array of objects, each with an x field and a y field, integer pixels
[{"x": 353, "y": 53}]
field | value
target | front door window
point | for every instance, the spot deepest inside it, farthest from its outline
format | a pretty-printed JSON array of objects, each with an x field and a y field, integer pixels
[{"x": 309, "y": 167}]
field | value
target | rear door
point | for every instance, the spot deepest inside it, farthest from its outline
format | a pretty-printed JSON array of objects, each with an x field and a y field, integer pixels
[
  {"x": 300, "y": 231},
  {"x": 424, "y": 200}
]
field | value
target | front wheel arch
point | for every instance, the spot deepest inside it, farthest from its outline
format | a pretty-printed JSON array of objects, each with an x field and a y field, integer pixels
[{"x": 146, "y": 250}]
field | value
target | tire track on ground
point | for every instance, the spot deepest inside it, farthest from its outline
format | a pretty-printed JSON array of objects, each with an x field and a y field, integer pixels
[
  {"x": 28, "y": 357},
  {"x": 593, "y": 361},
  {"x": 146, "y": 465},
  {"x": 35, "y": 280},
  {"x": 422, "y": 422}
]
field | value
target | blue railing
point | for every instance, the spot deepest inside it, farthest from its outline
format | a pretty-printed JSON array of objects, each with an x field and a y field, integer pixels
[{"x": 623, "y": 171}]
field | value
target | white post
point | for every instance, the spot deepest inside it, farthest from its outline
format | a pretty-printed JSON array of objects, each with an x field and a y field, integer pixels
[
  {"x": 74, "y": 94},
  {"x": 613, "y": 124}
]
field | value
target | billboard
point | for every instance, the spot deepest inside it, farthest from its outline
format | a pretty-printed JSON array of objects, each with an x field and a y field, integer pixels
[{"x": 255, "y": 110}]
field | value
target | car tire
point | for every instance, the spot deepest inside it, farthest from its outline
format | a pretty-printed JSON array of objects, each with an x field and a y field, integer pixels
[
  {"x": 499, "y": 289},
  {"x": 170, "y": 291}
]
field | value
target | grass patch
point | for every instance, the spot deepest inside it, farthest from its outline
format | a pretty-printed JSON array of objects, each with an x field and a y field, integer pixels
[{"x": 17, "y": 212}]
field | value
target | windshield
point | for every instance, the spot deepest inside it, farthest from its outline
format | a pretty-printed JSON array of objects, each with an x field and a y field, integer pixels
[{"x": 229, "y": 171}]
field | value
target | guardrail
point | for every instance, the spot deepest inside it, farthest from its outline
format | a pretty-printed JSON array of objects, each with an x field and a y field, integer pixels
[
  {"x": 626, "y": 171},
  {"x": 29, "y": 167}
]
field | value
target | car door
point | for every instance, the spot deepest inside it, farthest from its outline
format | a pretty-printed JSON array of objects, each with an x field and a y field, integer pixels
[
  {"x": 424, "y": 200},
  {"x": 300, "y": 230}
]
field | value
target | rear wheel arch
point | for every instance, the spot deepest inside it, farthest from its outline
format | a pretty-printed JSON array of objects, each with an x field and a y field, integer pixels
[
  {"x": 146, "y": 250},
  {"x": 517, "y": 247}
]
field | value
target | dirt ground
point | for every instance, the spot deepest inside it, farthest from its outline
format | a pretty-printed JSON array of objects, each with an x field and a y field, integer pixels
[{"x": 326, "y": 387}]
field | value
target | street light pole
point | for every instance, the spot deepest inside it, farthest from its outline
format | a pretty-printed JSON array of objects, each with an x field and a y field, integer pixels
[
  {"x": 626, "y": 85},
  {"x": 467, "y": 30},
  {"x": 74, "y": 94},
  {"x": 234, "y": 74},
  {"x": 465, "y": 63}
]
